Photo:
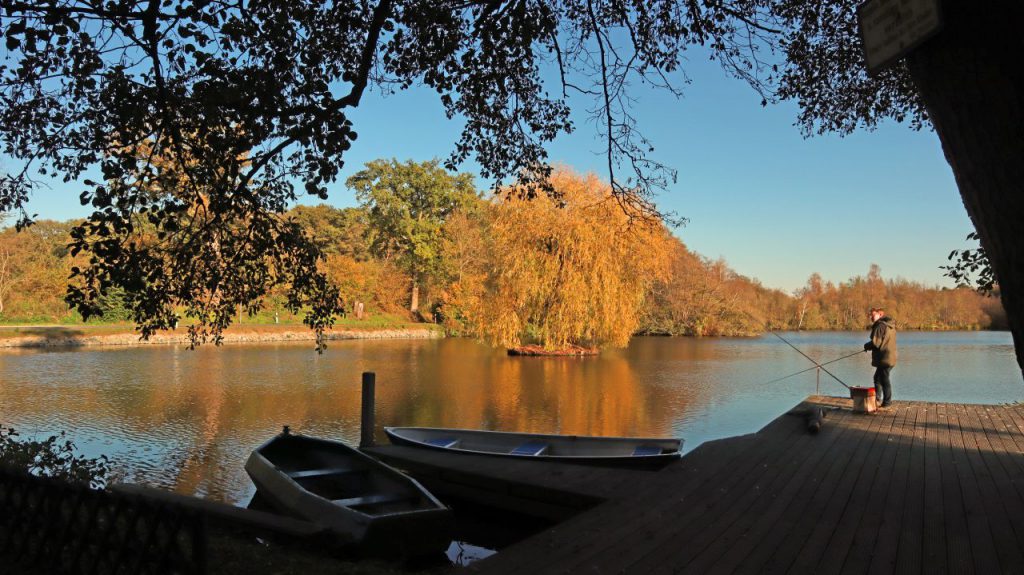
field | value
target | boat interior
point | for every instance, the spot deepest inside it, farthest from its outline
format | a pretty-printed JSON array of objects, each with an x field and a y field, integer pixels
[{"x": 345, "y": 478}]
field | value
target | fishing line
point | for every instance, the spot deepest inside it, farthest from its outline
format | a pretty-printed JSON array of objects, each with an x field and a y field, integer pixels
[
  {"x": 809, "y": 358},
  {"x": 843, "y": 383},
  {"x": 812, "y": 368}
]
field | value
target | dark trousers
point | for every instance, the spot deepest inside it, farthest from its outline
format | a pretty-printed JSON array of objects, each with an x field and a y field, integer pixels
[{"x": 883, "y": 388}]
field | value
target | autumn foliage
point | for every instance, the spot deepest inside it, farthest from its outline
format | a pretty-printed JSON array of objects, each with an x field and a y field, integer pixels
[{"x": 568, "y": 268}]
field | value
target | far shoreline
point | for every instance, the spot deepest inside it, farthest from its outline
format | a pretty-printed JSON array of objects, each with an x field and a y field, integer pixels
[
  {"x": 57, "y": 336},
  {"x": 73, "y": 336}
]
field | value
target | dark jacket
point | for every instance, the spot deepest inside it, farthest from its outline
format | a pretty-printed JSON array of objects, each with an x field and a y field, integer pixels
[{"x": 883, "y": 343}]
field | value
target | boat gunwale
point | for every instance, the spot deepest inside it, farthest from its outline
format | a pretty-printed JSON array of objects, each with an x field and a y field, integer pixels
[{"x": 391, "y": 433}]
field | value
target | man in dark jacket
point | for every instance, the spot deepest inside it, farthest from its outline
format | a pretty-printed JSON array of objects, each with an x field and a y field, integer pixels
[{"x": 883, "y": 353}]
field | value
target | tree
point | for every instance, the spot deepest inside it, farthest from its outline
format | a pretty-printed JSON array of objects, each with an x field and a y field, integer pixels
[
  {"x": 335, "y": 231},
  {"x": 407, "y": 206},
  {"x": 266, "y": 87},
  {"x": 263, "y": 90},
  {"x": 32, "y": 264},
  {"x": 466, "y": 253},
  {"x": 966, "y": 82},
  {"x": 571, "y": 271}
]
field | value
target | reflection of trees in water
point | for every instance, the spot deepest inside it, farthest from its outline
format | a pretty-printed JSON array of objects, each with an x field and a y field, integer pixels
[
  {"x": 464, "y": 385},
  {"x": 208, "y": 388},
  {"x": 188, "y": 420}
]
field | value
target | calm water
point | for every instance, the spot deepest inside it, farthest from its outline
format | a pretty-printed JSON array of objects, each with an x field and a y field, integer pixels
[{"x": 186, "y": 420}]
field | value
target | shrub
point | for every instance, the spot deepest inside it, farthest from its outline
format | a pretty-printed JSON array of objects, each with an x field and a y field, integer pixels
[{"x": 52, "y": 457}]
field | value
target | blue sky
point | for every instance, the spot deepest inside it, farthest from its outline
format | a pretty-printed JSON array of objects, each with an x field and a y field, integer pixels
[{"x": 776, "y": 206}]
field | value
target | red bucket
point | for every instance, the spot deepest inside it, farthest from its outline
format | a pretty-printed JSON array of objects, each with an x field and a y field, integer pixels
[{"x": 863, "y": 399}]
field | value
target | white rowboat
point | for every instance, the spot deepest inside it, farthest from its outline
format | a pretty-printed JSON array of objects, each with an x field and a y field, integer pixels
[{"x": 608, "y": 451}]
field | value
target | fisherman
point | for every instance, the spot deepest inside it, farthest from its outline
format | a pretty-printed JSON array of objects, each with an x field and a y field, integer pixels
[{"x": 883, "y": 353}]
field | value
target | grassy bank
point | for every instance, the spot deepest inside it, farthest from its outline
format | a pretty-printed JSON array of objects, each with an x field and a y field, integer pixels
[{"x": 53, "y": 335}]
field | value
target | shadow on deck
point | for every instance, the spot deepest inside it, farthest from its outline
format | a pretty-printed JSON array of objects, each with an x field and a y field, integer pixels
[{"x": 918, "y": 488}]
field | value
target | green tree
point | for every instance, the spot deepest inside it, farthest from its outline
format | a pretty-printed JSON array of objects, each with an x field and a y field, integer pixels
[
  {"x": 407, "y": 205},
  {"x": 336, "y": 231}
]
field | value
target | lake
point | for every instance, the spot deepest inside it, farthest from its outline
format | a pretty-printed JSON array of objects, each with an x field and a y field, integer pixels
[{"x": 186, "y": 420}]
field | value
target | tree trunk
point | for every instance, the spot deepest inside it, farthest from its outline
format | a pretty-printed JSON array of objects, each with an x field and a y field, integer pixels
[
  {"x": 415, "y": 304},
  {"x": 971, "y": 81}
]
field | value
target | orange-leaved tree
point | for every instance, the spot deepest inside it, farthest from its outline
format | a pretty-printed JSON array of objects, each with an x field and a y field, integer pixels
[{"x": 570, "y": 267}]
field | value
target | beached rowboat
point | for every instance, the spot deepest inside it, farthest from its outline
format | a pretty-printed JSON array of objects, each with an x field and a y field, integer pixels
[
  {"x": 370, "y": 505},
  {"x": 610, "y": 451}
]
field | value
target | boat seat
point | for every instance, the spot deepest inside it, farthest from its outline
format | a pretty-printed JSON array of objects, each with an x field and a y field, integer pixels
[
  {"x": 642, "y": 450},
  {"x": 530, "y": 448},
  {"x": 307, "y": 473},
  {"x": 446, "y": 442},
  {"x": 378, "y": 499}
]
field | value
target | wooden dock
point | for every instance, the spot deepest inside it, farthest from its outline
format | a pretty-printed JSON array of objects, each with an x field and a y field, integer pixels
[{"x": 918, "y": 488}]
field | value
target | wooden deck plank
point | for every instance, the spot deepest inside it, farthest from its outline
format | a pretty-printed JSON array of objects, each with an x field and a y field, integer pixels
[
  {"x": 707, "y": 541},
  {"x": 864, "y": 494},
  {"x": 933, "y": 550},
  {"x": 642, "y": 511},
  {"x": 1013, "y": 438},
  {"x": 576, "y": 535},
  {"x": 952, "y": 478},
  {"x": 789, "y": 496},
  {"x": 777, "y": 551},
  {"x": 1002, "y": 447},
  {"x": 900, "y": 532},
  {"x": 991, "y": 490},
  {"x": 958, "y": 527},
  {"x": 972, "y": 476},
  {"x": 883, "y": 506},
  {"x": 699, "y": 524},
  {"x": 1005, "y": 433},
  {"x": 627, "y": 547},
  {"x": 810, "y": 554}
]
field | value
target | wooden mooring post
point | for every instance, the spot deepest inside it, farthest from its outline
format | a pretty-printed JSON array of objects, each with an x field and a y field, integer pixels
[{"x": 367, "y": 423}]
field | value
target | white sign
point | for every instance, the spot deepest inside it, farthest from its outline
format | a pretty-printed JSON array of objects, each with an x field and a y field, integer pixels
[{"x": 892, "y": 28}]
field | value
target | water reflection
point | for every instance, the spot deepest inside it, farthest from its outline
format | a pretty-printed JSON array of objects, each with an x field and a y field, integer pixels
[{"x": 187, "y": 420}]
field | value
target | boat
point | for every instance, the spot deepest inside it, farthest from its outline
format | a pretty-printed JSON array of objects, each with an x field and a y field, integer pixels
[
  {"x": 606, "y": 451},
  {"x": 371, "y": 507}
]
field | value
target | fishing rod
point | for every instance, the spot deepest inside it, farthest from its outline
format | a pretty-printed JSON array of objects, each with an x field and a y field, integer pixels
[
  {"x": 809, "y": 358},
  {"x": 812, "y": 368}
]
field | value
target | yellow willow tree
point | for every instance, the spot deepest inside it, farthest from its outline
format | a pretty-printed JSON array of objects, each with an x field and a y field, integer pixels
[{"x": 570, "y": 269}]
